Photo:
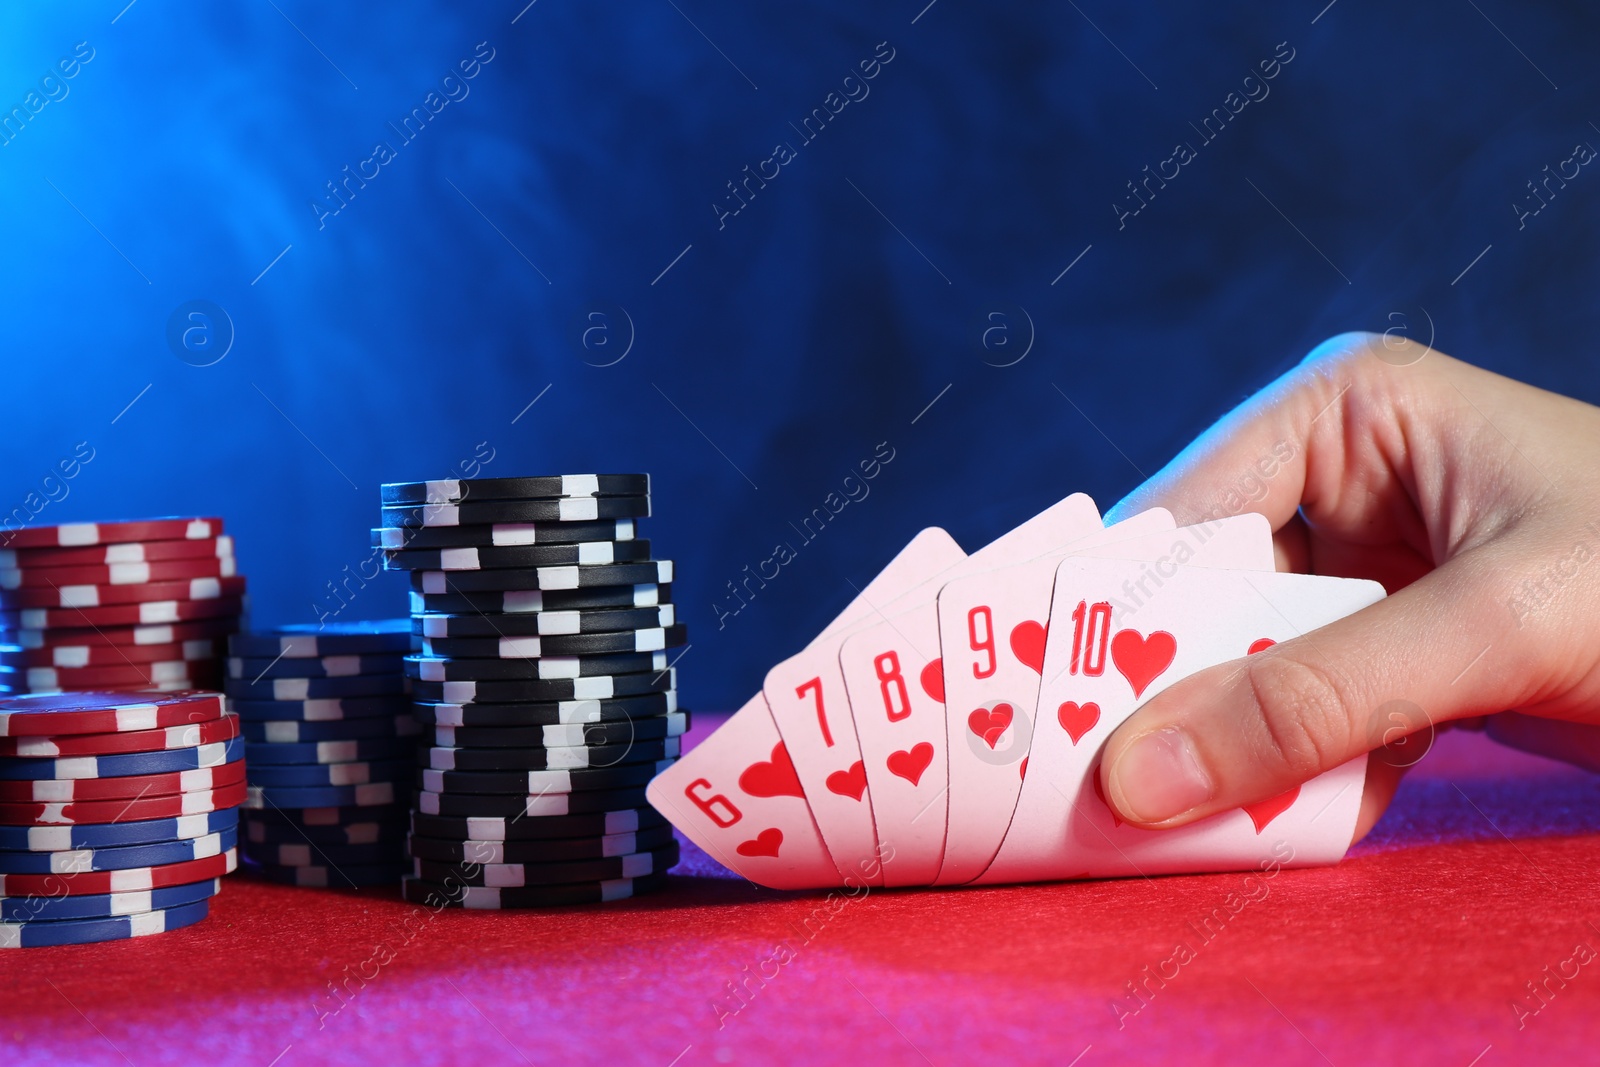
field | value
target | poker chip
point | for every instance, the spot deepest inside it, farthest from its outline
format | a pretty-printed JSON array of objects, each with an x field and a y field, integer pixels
[
  {"x": 591, "y": 757},
  {"x": 108, "y": 655},
  {"x": 207, "y": 732},
  {"x": 356, "y": 685},
  {"x": 435, "y": 895},
  {"x": 114, "y": 835},
  {"x": 153, "y": 612},
  {"x": 586, "y": 553},
  {"x": 76, "y": 534},
  {"x": 445, "y": 850},
  {"x": 105, "y": 905},
  {"x": 319, "y": 709},
  {"x": 94, "y": 596},
  {"x": 454, "y": 491},
  {"x": 346, "y": 751},
  {"x": 341, "y": 877},
  {"x": 123, "y": 637},
  {"x": 306, "y": 775},
  {"x": 539, "y": 691},
  {"x": 316, "y": 640},
  {"x": 93, "y": 574},
  {"x": 133, "y": 878},
  {"x": 505, "y": 806},
  {"x": 564, "y": 509},
  {"x": 562, "y": 735},
  {"x": 254, "y": 669},
  {"x": 261, "y": 831},
  {"x": 502, "y": 534},
  {"x": 545, "y": 713},
  {"x": 606, "y": 575},
  {"x": 291, "y": 732},
  {"x": 516, "y": 828},
  {"x": 127, "y": 552},
  {"x": 510, "y": 875},
  {"x": 450, "y": 669},
  {"x": 331, "y": 796},
  {"x": 54, "y": 715},
  {"x": 90, "y": 931},
  {"x": 330, "y": 817},
  {"x": 22, "y": 768},
  {"x": 309, "y": 854},
  {"x": 520, "y": 601},
  {"x": 127, "y": 787},
  {"x": 651, "y": 640},
  {"x": 108, "y": 811},
  {"x": 541, "y": 783},
  {"x": 118, "y": 859},
  {"x": 544, "y": 623},
  {"x": 203, "y": 674}
]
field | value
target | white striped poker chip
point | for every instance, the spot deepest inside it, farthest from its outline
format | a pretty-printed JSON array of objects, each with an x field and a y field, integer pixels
[
  {"x": 559, "y": 509},
  {"x": 546, "y": 579},
  {"x": 308, "y": 775},
  {"x": 457, "y": 490},
  {"x": 488, "y": 898},
  {"x": 492, "y": 557},
  {"x": 457, "y": 713},
  {"x": 533, "y": 647},
  {"x": 97, "y": 574},
  {"x": 138, "y": 636},
  {"x": 519, "y": 601},
  {"x": 105, "y": 905},
  {"x": 516, "y": 828},
  {"x": 134, "y": 878},
  {"x": 562, "y": 735},
  {"x": 343, "y": 876},
  {"x": 75, "y": 656},
  {"x": 315, "y": 640},
  {"x": 291, "y": 732},
  {"x": 502, "y": 535},
  {"x": 546, "y": 623},
  {"x": 68, "y": 535},
  {"x": 120, "y": 552},
  {"x": 93, "y": 931},
  {"x": 371, "y": 794},
  {"x": 162, "y": 761},
  {"x": 557, "y": 758},
  {"x": 358, "y": 833},
  {"x": 122, "y": 858},
  {"x": 155, "y": 674},
  {"x": 114, "y": 835},
  {"x": 457, "y": 668},
  {"x": 259, "y": 668},
  {"x": 102, "y": 712},
  {"x": 598, "y": 687},
  {"x": 140, "y": 613}
]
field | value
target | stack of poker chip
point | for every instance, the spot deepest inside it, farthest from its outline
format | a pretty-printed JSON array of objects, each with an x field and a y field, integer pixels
[
  {"x": 543, "y": 687},
  {"x": 331, "y": 747},
  {"x": 118, "y": 813},
  {"x": 118, "y": 605}
]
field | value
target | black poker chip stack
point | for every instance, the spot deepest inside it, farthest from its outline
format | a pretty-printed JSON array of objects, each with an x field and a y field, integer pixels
[
  {"x": 330, "y": 746},
  {"x": 542, "y": 686}
]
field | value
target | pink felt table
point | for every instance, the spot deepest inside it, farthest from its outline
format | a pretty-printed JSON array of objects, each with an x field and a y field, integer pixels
[{"x": 1412, "y": 951}]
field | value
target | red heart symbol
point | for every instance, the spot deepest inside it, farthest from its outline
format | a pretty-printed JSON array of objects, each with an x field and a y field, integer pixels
[
  {"x": 1142, "y": 659},
  {"x": 1259, "y": 644},
  {"x": 1022, "y": 772},
  {"x": 990, "y": 723},
  {"x": 766, "y": 843},
  {"x": 1100, "y": 792},
  {"x": 1265, "y": 811},
  {"x": 774, "y": 779},
  {"x": 851, "y": 783},
  {"x": 932, "y": 678},
  {"x": 1027, "y": 644},
  {"x": 1078, "y": 719},
  {"x": 910, "y": 765}
]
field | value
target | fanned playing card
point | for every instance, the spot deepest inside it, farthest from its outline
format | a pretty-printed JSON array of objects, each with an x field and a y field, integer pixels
[
  {"x": 1105, "y": 655},
  {"x": 895, "y": 681},
  {"x": 993, "y": 628},
  {"x": 807, "y": 696}
]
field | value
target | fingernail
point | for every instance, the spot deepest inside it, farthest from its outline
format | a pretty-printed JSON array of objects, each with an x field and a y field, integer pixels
[{"x": 1159, "y": 777}]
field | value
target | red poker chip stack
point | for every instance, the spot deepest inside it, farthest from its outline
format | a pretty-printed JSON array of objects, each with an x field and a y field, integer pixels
[{"x": 147, "y": 604}]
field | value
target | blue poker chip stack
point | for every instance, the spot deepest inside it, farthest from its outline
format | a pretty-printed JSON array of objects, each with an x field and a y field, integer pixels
[
  {"x": 543, "y": 684},
  {"x": 330, "y": 748},
  {"x": 118, "y": 813}
]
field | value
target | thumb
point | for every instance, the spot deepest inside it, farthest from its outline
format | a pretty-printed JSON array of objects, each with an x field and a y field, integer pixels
[{"x": 1244, "y": 731}]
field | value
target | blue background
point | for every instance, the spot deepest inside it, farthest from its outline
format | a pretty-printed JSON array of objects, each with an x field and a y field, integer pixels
[{"x": 768, "y": 356}]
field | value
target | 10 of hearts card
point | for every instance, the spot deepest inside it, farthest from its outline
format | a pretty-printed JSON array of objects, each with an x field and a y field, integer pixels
[{"x": 946, "y": 728}]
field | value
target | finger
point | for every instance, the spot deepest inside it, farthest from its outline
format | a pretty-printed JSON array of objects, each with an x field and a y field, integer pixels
[
  {"x": 1383, "y": 779},
  {"x": 1287, "y": 445},
  {"x": 1243, "y": 731}
]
